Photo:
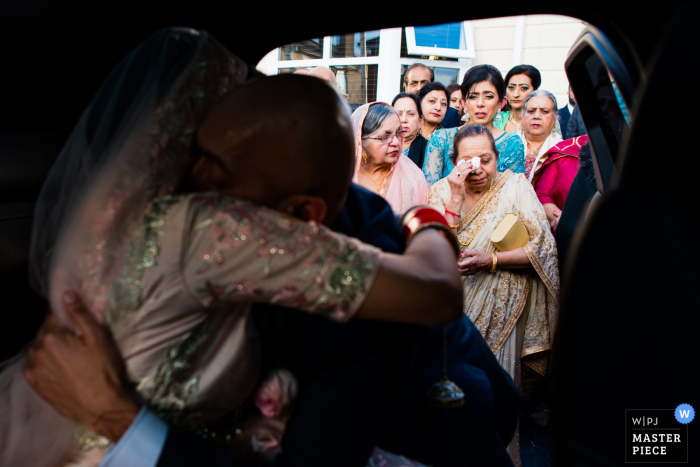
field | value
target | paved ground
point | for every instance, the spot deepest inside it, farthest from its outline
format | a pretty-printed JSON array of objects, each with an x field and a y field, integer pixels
[{"x": 535, "y": 442}]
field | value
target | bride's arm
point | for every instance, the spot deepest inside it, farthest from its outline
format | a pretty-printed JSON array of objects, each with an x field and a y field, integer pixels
[
  {"x": 422, "y": 286},
  {"x": 237, "y": 252}
]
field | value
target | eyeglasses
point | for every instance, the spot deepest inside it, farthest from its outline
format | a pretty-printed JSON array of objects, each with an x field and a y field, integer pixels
[{"x": 387, "y": 138}]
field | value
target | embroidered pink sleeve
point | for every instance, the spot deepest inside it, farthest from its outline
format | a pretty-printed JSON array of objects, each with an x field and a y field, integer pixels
[{"x": 237, "y": 251}]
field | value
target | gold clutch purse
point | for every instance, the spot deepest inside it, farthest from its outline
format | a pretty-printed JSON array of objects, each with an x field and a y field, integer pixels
[{"x": 509, "y": 234}]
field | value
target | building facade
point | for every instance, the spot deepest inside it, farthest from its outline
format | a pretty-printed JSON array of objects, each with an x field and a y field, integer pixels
[{"x": 370, "y": 65}]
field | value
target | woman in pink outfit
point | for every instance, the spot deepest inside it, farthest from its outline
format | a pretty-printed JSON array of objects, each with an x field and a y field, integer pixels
[
  {"x": 553, "y": 179},
  {"x": 380, "y": 165}
]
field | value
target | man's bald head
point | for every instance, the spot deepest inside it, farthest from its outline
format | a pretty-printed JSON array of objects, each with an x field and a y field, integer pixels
[
  {"x": 304, "y": 147},
  {"x": 323, "y": 73}
]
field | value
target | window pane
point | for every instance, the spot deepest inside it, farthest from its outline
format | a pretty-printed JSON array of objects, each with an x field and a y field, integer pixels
[
  {"x": 445, "y": 36},
  {"x": 360, "y": 44},
  {"x": 283, "y": 71},
  {"x": 311, "y": 49},
  {"x": 404, "y": 51},
  {"x": 446, "y": 76},
  {"x": 358, "y": 83}
]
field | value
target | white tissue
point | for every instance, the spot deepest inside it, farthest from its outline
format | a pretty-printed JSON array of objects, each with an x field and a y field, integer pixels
[{"x": 476, "y": 162}]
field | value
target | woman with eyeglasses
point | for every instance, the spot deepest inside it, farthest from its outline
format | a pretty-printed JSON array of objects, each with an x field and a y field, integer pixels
[{"x": 380, "y": 164}]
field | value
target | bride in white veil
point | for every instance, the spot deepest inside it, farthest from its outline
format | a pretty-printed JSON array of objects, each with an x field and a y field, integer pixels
[
  {"x": 132, "y": 145},
  {"x": 173, "y": 274}
]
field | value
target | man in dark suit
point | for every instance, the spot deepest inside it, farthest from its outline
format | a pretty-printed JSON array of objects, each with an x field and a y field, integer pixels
[
  {"x": 363, "y": 384},
  {"x": 565, "y": 112}
]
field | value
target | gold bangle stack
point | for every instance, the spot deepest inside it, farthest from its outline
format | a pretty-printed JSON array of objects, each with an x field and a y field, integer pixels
[{"x": 495, "y": 262}]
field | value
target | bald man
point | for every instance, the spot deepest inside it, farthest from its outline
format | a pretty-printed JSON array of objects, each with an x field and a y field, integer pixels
[
  {"x": 324, "y": 73},
  {"x": 243, "y": 146},
  {"x": 363, "y": 382}
]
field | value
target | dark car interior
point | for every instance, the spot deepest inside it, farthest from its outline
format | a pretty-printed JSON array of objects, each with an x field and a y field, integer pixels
[{"x": 629, "y": 315}]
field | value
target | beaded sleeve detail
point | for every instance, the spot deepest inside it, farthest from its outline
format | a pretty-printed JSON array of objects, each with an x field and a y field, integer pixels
[{"x": 240, "y": 252}]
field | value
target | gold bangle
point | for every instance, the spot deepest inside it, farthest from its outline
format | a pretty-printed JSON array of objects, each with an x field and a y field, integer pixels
[
  {"x": 495, "y": 262},
  {"x": 444, "y": 230}
]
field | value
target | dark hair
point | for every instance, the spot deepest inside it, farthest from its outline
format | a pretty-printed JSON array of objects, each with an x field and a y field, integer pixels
[
  {"x": 428, "y": 88},
  {"x": 527, "y": 70},
  {"x": 408, "y": 95},
  {"x": 470, "y": 130},
  {"x": 377, "y": 113},
  {"x": 480, "y": 73},
  {"x": 452, "y": 88},
  {"x": 418, "y": 65}
]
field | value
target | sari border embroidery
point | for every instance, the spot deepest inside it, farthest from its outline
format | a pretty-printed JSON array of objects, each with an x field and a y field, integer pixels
[
  {"x": 534, "y": 260},
  {"x": 541, "y": 369},
  {"x": 519, "y": 307},
  {"x": 498, "y": 184},
  {"x": 535, "y": 349}
]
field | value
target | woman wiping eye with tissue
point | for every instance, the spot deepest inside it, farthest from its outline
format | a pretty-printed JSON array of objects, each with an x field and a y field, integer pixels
[{"x": 481, "y": 204}]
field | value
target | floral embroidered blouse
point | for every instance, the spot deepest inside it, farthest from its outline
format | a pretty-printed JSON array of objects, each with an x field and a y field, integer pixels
[
  {"x": 438, "y": 165},
  {"x": 191, "y": 347}
]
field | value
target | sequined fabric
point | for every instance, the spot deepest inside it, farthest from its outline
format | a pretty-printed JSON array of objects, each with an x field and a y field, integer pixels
[
  {"x": 241, "y": 252},
  {"x": 174, "y": 380},
  {"x": 174, "y": 278},
  {"x": 141, "y": 252},
  {"x": 97, "y": 230}
]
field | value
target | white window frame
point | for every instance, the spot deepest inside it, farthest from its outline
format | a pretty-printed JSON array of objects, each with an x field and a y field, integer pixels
[
  {"x": 389, "y": 61},
  {"x": 466, "y": 50},
  {"x": 274, "y": 63}
]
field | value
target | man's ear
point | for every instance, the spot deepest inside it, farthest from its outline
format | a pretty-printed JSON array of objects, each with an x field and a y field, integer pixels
[{"x": 308, "y": 208}]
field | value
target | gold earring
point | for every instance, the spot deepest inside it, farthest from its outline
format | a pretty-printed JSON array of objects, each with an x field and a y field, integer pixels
[{"x": 364, "y": 157}]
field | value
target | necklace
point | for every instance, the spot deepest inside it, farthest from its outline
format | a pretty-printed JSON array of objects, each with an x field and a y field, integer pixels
[
  {"x": 533, "y": 152},
  {"x": 483, "y": 210},
  {"x": 517, "y": 125},
  {"x": 379, "y": 185}
]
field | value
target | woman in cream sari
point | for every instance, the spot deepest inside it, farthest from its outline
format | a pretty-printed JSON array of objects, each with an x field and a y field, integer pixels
[{"x": 511, "y": 296}]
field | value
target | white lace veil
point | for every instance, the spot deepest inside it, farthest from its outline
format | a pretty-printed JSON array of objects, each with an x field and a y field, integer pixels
[{"x": 134, "y": 143}]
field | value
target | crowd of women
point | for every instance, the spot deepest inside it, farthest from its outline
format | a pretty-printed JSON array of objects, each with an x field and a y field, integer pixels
[
  {"x": 156, "y": 224},
  {"x": 508, "y": 157}
]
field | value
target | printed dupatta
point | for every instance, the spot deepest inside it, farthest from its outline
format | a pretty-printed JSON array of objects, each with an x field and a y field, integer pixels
[{"x": 497, "y": 302}]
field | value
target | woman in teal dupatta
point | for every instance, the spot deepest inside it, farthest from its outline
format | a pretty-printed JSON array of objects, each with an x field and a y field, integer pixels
[{"x": 483, "y": 95}]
